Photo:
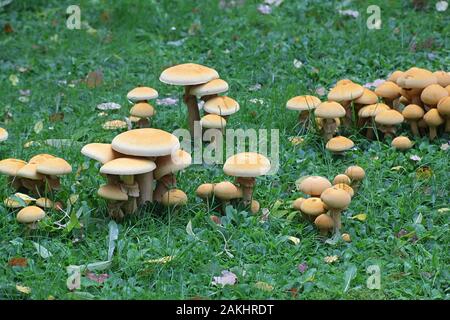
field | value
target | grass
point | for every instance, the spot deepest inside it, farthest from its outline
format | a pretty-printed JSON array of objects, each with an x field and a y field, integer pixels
[{"x": 130, "y": 47}]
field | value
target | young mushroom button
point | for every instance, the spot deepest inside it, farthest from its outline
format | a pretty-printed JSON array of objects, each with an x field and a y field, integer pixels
[
  {"x": 338, "y": 145},
  {"x": 245, "y": 167},
  {"x": 30, "y": 216}
]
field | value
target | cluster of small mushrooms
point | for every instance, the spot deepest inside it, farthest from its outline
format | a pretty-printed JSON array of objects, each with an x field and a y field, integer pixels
[
  {"x": 417, "y": 96},
  {"x": 245, "y": 167},
  {"x": 327, "y": 200},
  {"x": 34, "y": 182}
]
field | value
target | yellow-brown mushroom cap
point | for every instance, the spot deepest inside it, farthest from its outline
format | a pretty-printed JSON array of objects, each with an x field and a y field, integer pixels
[
  {"x": 402, "y": 143},
  {"x": 302, "y": 103},
  {"x": 314, "y": 185},
  {"x": 39, "y": 158},
  {"x": 30, "y": 214},
  {"x": 346, "y": 187},
  {"x": 142, "y": 110},
  {"x": 356, "y": 173},
  {"x": 213, "y": 121},
  {"x": 368, "y": 97},
  {"x": 29, "y": 171},
  {"x": 444, "y": 107},
  {"x": 329, "y": 110},
  {"x": 45, "y": 203},
  {"x": 298, "y": 203},
  {"x": 395, "y": 75},
  {"x": 443, "y": 78},
  {"x": 3, "y": 134},
  {"x": 416, "y": 78},
  {"x": 389, "y": 117},
  {"x": 335, "y": 198},
  {"x": 209, "y": 88},
  {"x": 172, "y": 163},
  {"x": 128, "y": 166},
  {"x": 222, "y": 106},
  {"x": 433, "y": 118},
  {"x": 339, "y": 144},
  {"x": 142, "y": 94},
  {"x": 112, "y": 192},
  {"x": 388, "y": 89},
  {"x": 413, "y": 112},
  {"x": 54, "y": 167},
  {"x": 227, "y": 191},
  {"x": 205, "y": 190},
  {"x": 247, "y": 164},
  {"x": 174, "y": 197},
  {"x": 101, "y": 152},
  {"x": 346, "y": 92},
  {"x": 341, "y": 178},
  {"x": 432, "y": 94},
  {"x": 312, "y": 206},
  {"x": 324, "y": 222},
  {"x": 11, "y": 166},
  {"x": 188, "y": 74},
  {"x": 372, "y": 110}
]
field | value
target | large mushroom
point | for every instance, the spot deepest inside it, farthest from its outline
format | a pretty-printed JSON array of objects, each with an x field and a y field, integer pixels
[
  {"x": 30, "y": 216},
  {"x": 432, "y": 94},
  {"x": 53, "y": 169},
  {"x": 3, "y": 134},
  {"x": 367, "y": 115},
  {"x": 103, "y": 153},
  {"x": 387, "y": 121},
  {"x": 10, "y": 167},
  {"x": 433, "y": 120},
  {"x": 389, "y": 91},
  {"x": 329, "y": 111},
  {"x": 304, "y": 105},
  {"x": 413, "y": 81},
  {"x": 312, "y": 208},
  {"x": 345, "y": 92},
  {"x": 188, "y": 75},
  {"x": 412, "y": 114},
  {"x": 246, "y": 167},
  {"x": 222, "y": 106}
]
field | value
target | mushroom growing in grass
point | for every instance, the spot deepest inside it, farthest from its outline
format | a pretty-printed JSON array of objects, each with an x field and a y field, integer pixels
[
  {"x": 205, "y": 191},
  {"x": 329, "y": 111},
  {"x": 3, "y": 134},
  {"x": 188, "y": 75},
  {"x": 395, "y": 75},
  {"x": 222, "y": 106},
  {"x": 209, "y": 89},
  {"x": 345, "y": 93},
  {"x": 367, "y": 98},
  {"x": 53, "y": 169},
  {"x": 413, "y": 81},
  {"x": 298, "y": 203},
  {"x": 45, "y": 203},
  {"x": 142, "y": 94},
  {"x": 30, "y": 216},
  {"x": 103, "y": 153},
  {"x": 31, "y": 179},
  {"x": 114, "y": 125},
  {"x": 433, "y": 120},
  {"x": 389, "y": 91},
  {"x": 146, "y": 142},
  {"x": 324, "y": 223},
  {"x": 212, "y": 121},
  {"x": 367, "y": 115},
  {"x": 144, "y": 112},
  {"x": 388, "y": 120},
  {"x": 313, "y": 185},
  {"x": 127, "y": 168},
  {"x": 356, "y": 174},
  {"x": 312, "y": 208},
  {"x": 336, "y": 201},
  {"x": 432, "y": 94},
  {"x": 412, "y": 114},
  {"x": 174, "y": 197},
  {"x": 444, "y": 110},
  {"x": 116, "y": 198},
  {"x": 346, "y": 188},
  {"x": 338, "y": 145},
  {"x": 304, "y": 105},
  {"x": 341, "y": 178},
  {"x": 402, "y": 143},
  {"x": 164, "y": 184},
  {"x": 226, "y": 191},
  {"x": 10, "y": 167},
  {"x": 246, "y": 167}
]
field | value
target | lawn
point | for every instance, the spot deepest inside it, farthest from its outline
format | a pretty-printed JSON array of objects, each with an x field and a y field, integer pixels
[{"x": 43, "y": 96}]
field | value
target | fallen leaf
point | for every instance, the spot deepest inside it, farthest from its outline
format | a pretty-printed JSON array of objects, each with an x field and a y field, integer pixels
[
  {"x": 113, "y": 236},
  {"x": 7, "y": 28},
  {"x": 415, "y": 158},
  {"x": 23, "y": 289},
  {"x": 109, "y": 106},
  {"x": 18, "y": 262},
  {"x": 162, "y": 260},
  {"x": 42, "y": 251},
  {"x": 38, "y": 126},
  {"x": 94, "y": 79},
  {"x": 176, "y": 43},
  {"x": 443, "y": 210},
  {"x": 100, "y": 278},
  {"x": 14, "y": 79},
  {"x": 360, "y": 217},
  {"x": 73, "y": 199},
  {"x": 73, "y": 281},
  {"x": 264, "y": 286},
  {"x": 349, "y": 13},
  {"x": 397, "y": 168},
  {"x": 55, "y": 117},
  {"x": 297, "y": 64},
  {"x": 275, "y": 3},
  {"x": 23, "y": 99},
  {"x": 169, "y": 101},
  {"x": 189, "y": 230},
  {"x": 331, "y": 259},
  {"x": 255, "y": 87},
  {"x": 349, "y": 275},
  {"x": 226, "y": 278},
  {"x": 294, "y": 240}
]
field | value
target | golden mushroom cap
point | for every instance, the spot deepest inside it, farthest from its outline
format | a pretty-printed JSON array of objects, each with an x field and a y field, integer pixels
[
  {"x": 389, "y": 117},
  {"x": 188, "y": 74},
  {"x": 324, "y": 222},
  {"x": 313, "y": 206},
  {"x": 329, "y": 110},
  {"x": 432, "y": 94},
  {"x": 227, "y": 191},
  {"x": 205, "y": 190},
  {"x": 355, "y": 173},
  {"x": 30, "y": 214},
  {"x": 444, "y": 107},
  {"x": 433, "y": 118},
  {"x": 345, "y": 91},
  {"x": 247, "y": 165},
  {"x": 174, "y": 197},
  {"x": 413, "y": 112},
  {"x": 314, "y": 185},
  {"x": 341, "y": 178},
  {"x": 142, "y": 94},
  {"x": 303, "y": 103},
  {"x": 209, "y": 88},
  {"x": 339, "y": 144},
  {"x": 402, "y": 143},
  {"x": 336, "y": 198}
]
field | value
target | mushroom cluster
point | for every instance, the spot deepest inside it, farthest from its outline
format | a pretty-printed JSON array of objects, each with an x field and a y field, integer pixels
[
  {"x": 327, "y": 199},
  {"x": 132, "y": 163},
  {"x": 245, "y": 167},
  {"x": 203, "y": 83},
  {"x": 34, "y": 182},
  {"x": 142, "y": 111}
]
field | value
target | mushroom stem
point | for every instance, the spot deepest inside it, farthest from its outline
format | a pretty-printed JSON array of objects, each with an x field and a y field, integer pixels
[
  {"x": 447, "y": 124},
  {"x": 114, "y": 210},
  {"x": 193, "y": 112},
  {"x": 433, "y": 133},
  {"x": 111, "y": 179},
  {"x": 145, "y": 182},
  {"x": 163, "y": 186},
  {"x": 336, "y": 216},
  {"x": 414, "y": 128},
  {"x": 130, "y": 205},
  {"x": 143, "y": 123},
  {"x": 329, "y": 128},
  {"x": 247, "y": 185},
  {"x": 303, "y": 117}
]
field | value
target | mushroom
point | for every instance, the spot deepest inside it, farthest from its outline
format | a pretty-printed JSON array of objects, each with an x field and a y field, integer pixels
[
  {"x": 313, "y": 185},
  {"x": 3, "y": 134},
  {"x": 174, "y": 197},
  {"x": 402, "y": 143},
  {"x": 205, "y": 190},
  {"x": 146, "y": 142},
  {"x": 344, "y": 93},
  {"x": 165, "y": 183},
  {"x": 188, "y": 75},
  {"x": 142, "y": 94},
  {"x": 389, "y": 91},
  {"x": 116, "y": 198},
  {"x": 10, "y": 167},
  {"x": 336, "y": 201},
  {"x": 212, "y": 121},
  {"x": 44, "y": 203},
  {"x": 127, "y": 168},
  {"x": 30, "y": 216},
  {"x": 298, "y": 203},
  {"x": 226, "y": 191},
  {"x": 341, "y": 178},
  {"x": 444, "y": 110},
  {"x": 356, "y": 174},
  {"x": 222, "y": 106},
  {"x": 303, "y": 104},
  {"x": 329, "y": 111},
  {"x": 338, "y": 145},
  {"x": 53, "y": 168},
  {"x": 345, "y": 187},
  {"x": 368, "y": 97},
  {"x": 432, "y": 94},
  {"x": 387, "y": 120},
  {"x": 114, "y": 125},
  {"x": 254, "y": 207},
  {"x": 395, "y": 75},
  {"x": 443, "y": 78},
  {"x": 413, "y": 81},
  {"x": 312, "y": 208},
  {"x": 433, "y": 120},
  {"x": 209, "y": 89},
  {"x": 370, "y": 112},
  {"x": 31, "y": 179},
  {"x": 245, "y": 167},
  {"x": 143, "y": 111},
  {"x": 448, "y": 89},
  {"x": 103, "y": 153},
  {"x": 413, "y": 113},
  {"x": 324, "y": 223}
]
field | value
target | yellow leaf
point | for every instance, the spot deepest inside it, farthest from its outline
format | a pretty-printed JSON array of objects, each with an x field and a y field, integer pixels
[
  {"x": 14, "y": 79},
  {"x": 360, "y": 217},
  {"x": 162, "y": 260},
  {"x": 296, "y": 140},
  {"x": 397, "y": 168},
  {"x": 443, "y": 210},
  {"x": 23, "y": 289},
  {"x": 73, "y": 198},
  {"x": 295, "y": 240},
  {"x": 331, "y": 259},
  {"x": 264, "y": 286},
  {"x": 38, "y": 126}
]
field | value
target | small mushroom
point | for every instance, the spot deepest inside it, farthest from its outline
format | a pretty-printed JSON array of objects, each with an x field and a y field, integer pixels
[
  {"x": 53, "y": 169},
  {"x": 174, "y": 197},
  {"x": 44, "y": 203},
  {"x": 368, "y": 113},
  {"x": 444, "y": 110},
  {"x": 165, "y": 183},
  {"x": 329, "y": 111},
  {"x": 209, "y": 89},
  {"x": 341, "y": 178},
  {"x": 188, "y": 75},
  {"x": 324, "y": 223},
  {"x": 312, "y": 208},
  {"x": 389, "y": 91},
  {"x": 254, "y": 207},
  {"x": 297, "y": 203},
  {"x": 246, "y": 167},
  {"x": 338, "y": 145},
  {"x": 336, "y": 201},
  {"x": 114, "y": 125},
  {"x": 30, "y": 216},
  {"x": 116, "y": 199},
  {"x": 433, "y": 120},
  {"x": 3, "y": 134},
  {"x": 205, "y": 190},
  {"x": 314, "y": 185},
  {"x": 369, "y": 97},
  {"x": 413, "y": 113},
  {"x": 144, "y": 112},
  {"x": 303, "y": 104},
  {"x": 10, "y": 167},
  {"x": 402, "y": 143},
  {"x": 222, "y": 106},
  {"x": 395, "y": 75},
  {"x": 387, "y": 120},
  {"x": 226, "y": 191},
  {"x": 212, "y": 121},
  {"x": 443, "y": 78},
  {"x": 356, "y": 174},
  {"x": 432, "y": 94},
  {"x": 345, "y": 93}
]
